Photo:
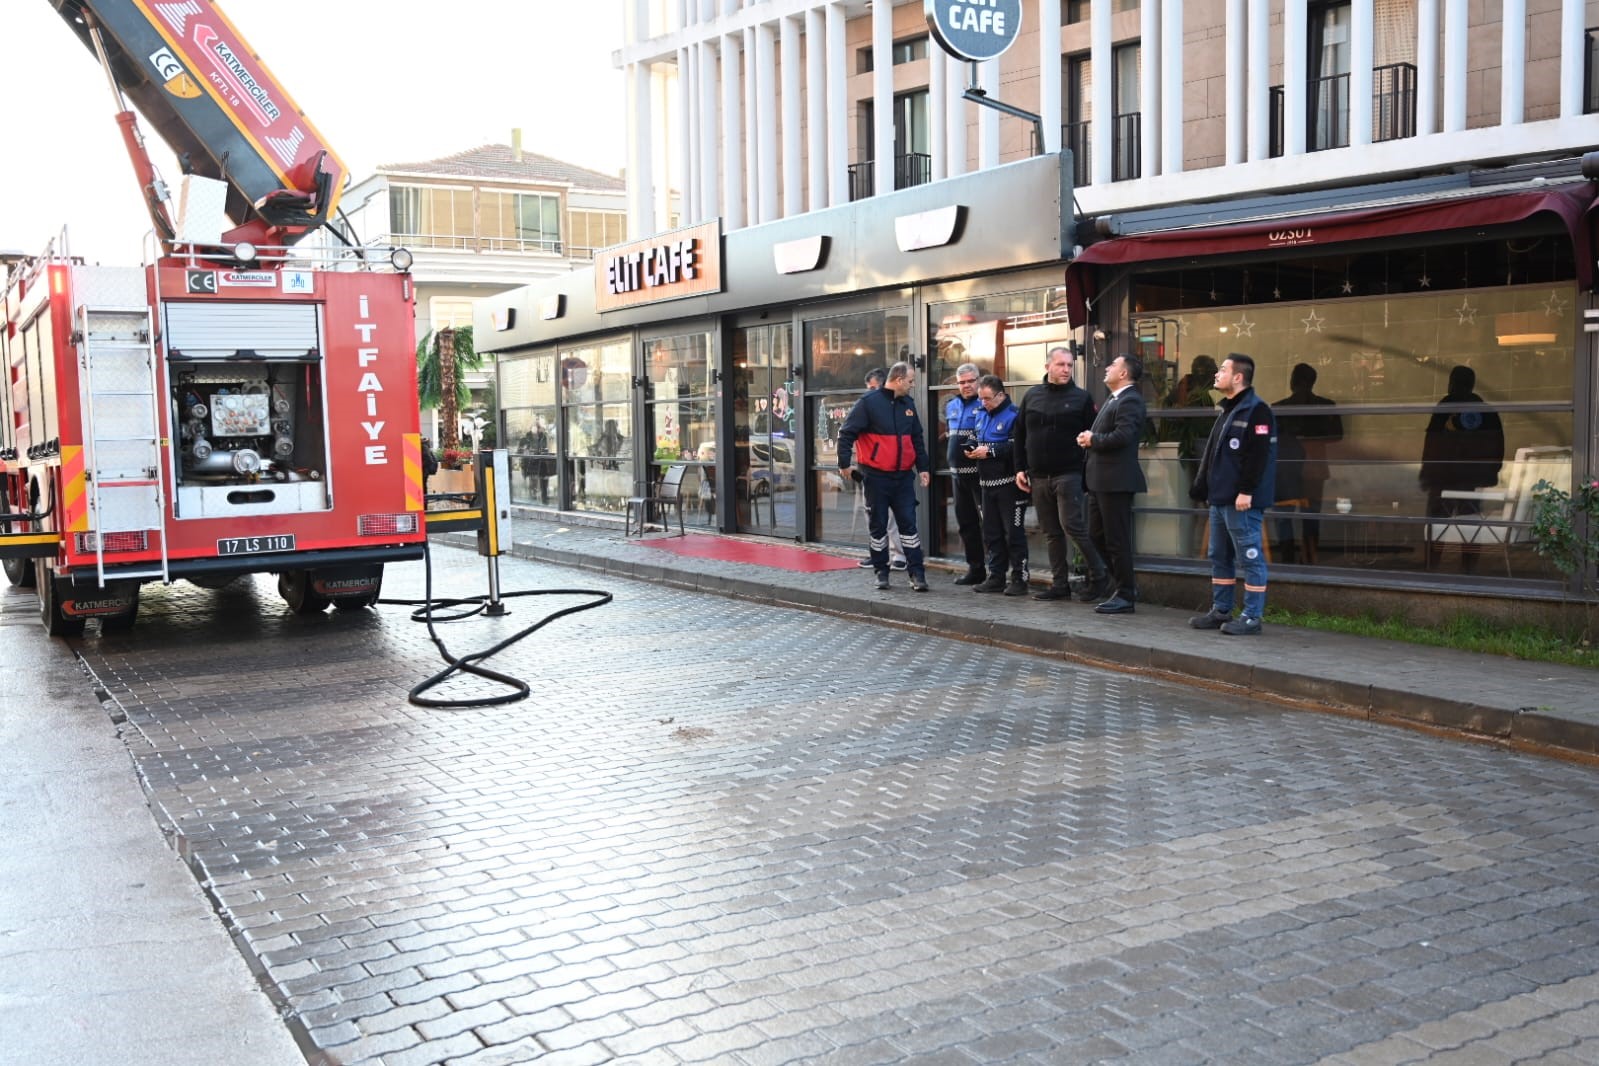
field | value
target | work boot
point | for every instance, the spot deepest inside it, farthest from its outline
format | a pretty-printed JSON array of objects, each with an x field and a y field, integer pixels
[
  {"x": 993, "y": 583},
  {"x": 1054, "y": 592},
  {"x": 1211, "y": 619},
  {"x": 882, "y": 579},
  {"x": 918, "y": 582},
  {"x": 1242, "y": 626},
  {"x": 972, "y": 577},
  {"x": 1095, "y": 589},
  {"x": 899, "y": 564},
  {"x": 1017, "y": 586}
]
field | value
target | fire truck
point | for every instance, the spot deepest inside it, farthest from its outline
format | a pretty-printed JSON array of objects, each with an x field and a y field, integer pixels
[{"x": 242, "y": 402}]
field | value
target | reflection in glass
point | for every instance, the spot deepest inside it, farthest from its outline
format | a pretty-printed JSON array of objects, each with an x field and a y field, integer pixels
[
  {"x": 840, "y": 350},
  {"x": 973, "y": 331},
  {"x": 765, "y": 419},
  {"x": 599, "y": 464},
  {"x": 682, "y": 414}
]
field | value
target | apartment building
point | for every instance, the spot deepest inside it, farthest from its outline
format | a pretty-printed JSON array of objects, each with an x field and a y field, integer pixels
[{"x": 1361, "y": 194}]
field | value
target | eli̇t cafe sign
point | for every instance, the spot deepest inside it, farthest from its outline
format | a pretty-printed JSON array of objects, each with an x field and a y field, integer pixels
[{"x": 668, "y": 266}]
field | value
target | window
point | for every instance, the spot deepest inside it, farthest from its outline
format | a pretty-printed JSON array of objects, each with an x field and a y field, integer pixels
[
  {"x": 907, "y": 51},
  {"x": 1328, "y": 96},
  {"x": 1127, "y": 141},
  {"x": 431, "y": 216},
  {"x": 913, "y": 161},
  {"x": 447, "y": 313},
  {"x": 520, "y": 222},
  {"x": 1075, "y": 135},
  {"x": 589, "y": 231},
  {"x": 1075, "y": 11},
  {"x": 597, "y": 425}
]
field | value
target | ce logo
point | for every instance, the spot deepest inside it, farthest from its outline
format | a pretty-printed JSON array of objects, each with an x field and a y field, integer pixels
[{"x": 202, "y": 281}]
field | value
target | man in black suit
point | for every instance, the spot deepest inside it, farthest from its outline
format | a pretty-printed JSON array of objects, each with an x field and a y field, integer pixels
[{"x": 1112, "y": 476}]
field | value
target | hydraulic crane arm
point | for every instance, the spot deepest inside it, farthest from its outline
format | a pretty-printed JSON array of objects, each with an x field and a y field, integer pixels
[{"x": 210, "y": 98}]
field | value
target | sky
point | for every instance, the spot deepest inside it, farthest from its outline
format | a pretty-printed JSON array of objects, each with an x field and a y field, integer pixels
[{"x": 384, "y": 81}]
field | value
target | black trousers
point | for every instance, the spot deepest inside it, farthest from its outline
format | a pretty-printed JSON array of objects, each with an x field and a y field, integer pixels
[
  {"x": 1004, "y": 535},
  {"x": 969, "y": 517},
  {"x": 1110, "y": 527}
]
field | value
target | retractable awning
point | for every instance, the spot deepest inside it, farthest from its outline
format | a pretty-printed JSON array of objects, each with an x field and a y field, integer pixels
[{"x": 1574, "y": 204}]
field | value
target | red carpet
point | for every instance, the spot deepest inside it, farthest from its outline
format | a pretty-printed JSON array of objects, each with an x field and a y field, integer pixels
[{"x": 778, "y": 556}]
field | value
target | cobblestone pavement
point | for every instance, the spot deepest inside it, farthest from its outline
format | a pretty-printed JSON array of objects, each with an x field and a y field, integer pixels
[{"x": 724, "y": 832}]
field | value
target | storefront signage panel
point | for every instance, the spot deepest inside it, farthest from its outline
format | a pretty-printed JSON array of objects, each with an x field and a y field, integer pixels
[
  {"x": 974, "y": 29},
  {"x": 668, "y": 266}
]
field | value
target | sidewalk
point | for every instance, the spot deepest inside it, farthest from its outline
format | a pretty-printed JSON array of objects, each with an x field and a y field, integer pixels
[
  {"x": 109, "y": 952},
  {"x": 1532, "y": 706}
]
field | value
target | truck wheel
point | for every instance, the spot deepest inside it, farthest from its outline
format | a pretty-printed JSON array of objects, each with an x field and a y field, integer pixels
[
  {"x": 121, "y": 623},
  {"x": 362, "y": 601},
  {"x": 19, "y": 572},
  {"x": 295, "y": 588},
  {"x": 55, "y": 623}
]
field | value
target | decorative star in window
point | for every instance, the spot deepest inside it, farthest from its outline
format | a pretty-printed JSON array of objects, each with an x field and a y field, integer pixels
[
  {"x": 1182, "y": 327},
  {"x": 1243, "y": 327},
  {"x": 1465, "y": 314},
  {"x": 1348, "y": 287},
  {"x": 1555, "y": 306},
  {"x": 1276, "y": 294},
  {"x": 1313, "y": 322},
  {"x": 1424, "y": 281}
]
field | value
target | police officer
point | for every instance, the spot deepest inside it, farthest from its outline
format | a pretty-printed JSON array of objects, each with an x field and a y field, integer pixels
[
  {"x": 1237, "y": 477},
  {"x": 1004, "y": 504},
  {"x": 883, "y": 437},
  {"x": 960, "y": 419}
]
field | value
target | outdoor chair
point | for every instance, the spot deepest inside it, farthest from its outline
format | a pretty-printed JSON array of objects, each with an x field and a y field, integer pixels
[
  {"x": 1504, "y": 514},
  {"x": 669, "y": 496}
]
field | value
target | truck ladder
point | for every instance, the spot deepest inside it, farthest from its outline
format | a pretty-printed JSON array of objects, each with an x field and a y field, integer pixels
[{"x": 123, "y": 462}]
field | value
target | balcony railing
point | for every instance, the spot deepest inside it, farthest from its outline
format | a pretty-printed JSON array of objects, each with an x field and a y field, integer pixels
[
  {"x": 1074, "y": 137},
  {"x": 1590, "y": 74},
  {"x": 1393, "y": 108},
  {"x": 1126, "y": 148},
  {"x": 911, "y": 169}
]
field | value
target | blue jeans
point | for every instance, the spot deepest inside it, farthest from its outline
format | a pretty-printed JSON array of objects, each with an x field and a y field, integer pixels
[
  {"x": 896, "y": 493},
  {"x": 1235, "y": 545}
]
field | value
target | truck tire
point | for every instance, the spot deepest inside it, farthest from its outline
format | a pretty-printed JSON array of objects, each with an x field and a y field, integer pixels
[
  {"x": 362, "y": 601},
  {"x": 295, "y": 588},
  {"x": 19, "y": 572},
  {"x": 55, "y": 623},
  {"x": 121, "y": 623}
]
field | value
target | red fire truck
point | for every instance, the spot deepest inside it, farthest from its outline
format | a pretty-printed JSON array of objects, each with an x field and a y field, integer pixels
[{"x": 239, "y": 403}]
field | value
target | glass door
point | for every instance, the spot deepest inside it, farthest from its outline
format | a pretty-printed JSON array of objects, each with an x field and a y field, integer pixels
[{"x": 765, "y": 488}]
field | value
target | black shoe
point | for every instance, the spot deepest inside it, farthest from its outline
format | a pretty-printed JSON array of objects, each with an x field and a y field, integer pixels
[
  {"x": 882, "y": 580},
  {"x": 1095, "y": 590},
  {"x": 898, "y": 564},
  {"x": 972, "y": 577},
  {"x": 918, "y": 582},
  {"x": 1016, "y": 587},
  {"x": 1211, "y": 619},
  {"x": 1054, "y": 592},
  {"x": 994, "y": 583},
  {"x": 1115, "y": 605},
  {"x": 865, "y": 564},
  {"x": 1242, "y": 626}
]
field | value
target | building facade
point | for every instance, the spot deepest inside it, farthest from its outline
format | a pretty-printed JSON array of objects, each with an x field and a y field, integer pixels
[{"x": 1364, "y": 196}]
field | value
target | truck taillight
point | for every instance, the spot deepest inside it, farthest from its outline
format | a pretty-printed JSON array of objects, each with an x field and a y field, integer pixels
[
  {"x": 379, "y": 525},
  {"x": 134, "y": 541}
]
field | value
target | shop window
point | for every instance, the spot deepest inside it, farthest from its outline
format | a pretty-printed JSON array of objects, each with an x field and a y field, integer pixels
[
  {"x": 596, "y": 391},
  {"x": 529, "y": 420},
  {"x": 682, "y": 414}
]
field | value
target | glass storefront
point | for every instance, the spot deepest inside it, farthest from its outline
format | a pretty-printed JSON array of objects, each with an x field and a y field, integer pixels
[
  {"x": 682, "y": 416},
  {"x": 764, "y": 422},
  {"x": 527, "y": 385},
  {"x": 597, "y": 425},
  {"x": 1406, "y": 419},
  {"x": 839, "y": 352}
]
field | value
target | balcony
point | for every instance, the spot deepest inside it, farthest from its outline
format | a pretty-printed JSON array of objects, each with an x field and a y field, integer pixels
[
  {"x": 1590, "y": 74},
  {"x": 1126, "y": 148},
  {"x": 1393, "y": 109},
  {"x": 913, "y": 168}
]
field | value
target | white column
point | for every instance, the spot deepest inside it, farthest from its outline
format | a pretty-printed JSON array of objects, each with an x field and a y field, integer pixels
[
  {"x": 1361, "y": 60},
  {"x": 709, "y": 124},
  {"x": 988, "y": 118},
  {"x": 685, "y": 147},
  {"x": 1150, "y": 51},
  {"x": 1101, "y": 106},
  {"x": 1049, "y": 102},
  {"x": 640, "y": 178},
  {"x": 1513, "y": 63},
  {"x": 815, "y": 108},
  {"x": 753, "y": 120},
  {"x": 1171, "y": 88},
  {"x": 837, "y": 109},
  {"x": 882, "y": 98},
  {"x": 1571, "y": 57},
  {"x": 765, "y": 119},
  {"x": 732, "y": 133},
  {"x": 1295, "y": 59},
  {"x": 1237, "y": 48},
  {"x": 937, "y": 114},
  {"x": 1259, "y": 79},
  {"x": 1455, "y": 12},
  {"x": 956, "y": 116},
  {"x": 789, "y": 57},
  {"x": 1426, "y": 67}
]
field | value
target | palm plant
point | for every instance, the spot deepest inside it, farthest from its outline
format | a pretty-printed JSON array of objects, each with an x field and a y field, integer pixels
[{"x": 442, "y": 359}]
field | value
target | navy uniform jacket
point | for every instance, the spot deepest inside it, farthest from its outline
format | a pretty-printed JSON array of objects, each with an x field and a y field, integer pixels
[
  {"x": 960, "y": 415},
  {"x": 883, "y": 433},
  {"x": 995, "y": 429},
  {"x": 1241, "y": 454}
]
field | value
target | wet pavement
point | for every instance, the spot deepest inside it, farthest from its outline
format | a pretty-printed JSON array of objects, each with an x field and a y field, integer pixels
[{"x": 725, "y": 830}]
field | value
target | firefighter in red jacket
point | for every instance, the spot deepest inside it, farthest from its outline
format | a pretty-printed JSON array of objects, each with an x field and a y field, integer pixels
[{"x": 883, "y": 438}]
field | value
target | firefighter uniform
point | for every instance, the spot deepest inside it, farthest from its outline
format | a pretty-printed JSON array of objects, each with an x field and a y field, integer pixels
[{"x": 883, "y": 435}]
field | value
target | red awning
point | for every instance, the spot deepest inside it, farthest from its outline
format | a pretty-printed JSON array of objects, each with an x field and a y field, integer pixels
[{"x": 1571, "y": 203}]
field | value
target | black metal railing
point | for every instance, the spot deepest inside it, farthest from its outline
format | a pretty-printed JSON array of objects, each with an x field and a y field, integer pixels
[
  {"x": 1127, "y": 147},
  {"x": 1590, "y": 73},
  {"x": 1074, "y": 137},
  {"x": 1393, "y": 109},
  {"x": 913, "y": 168}
]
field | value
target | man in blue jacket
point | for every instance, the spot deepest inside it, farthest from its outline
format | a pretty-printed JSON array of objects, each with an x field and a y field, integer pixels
[
  {"x": 1237, "y": 477},
  {"x": 1004, "y": 504},
  {"x": 961, "y": 412},
  {"x": 883, "y": 437}
]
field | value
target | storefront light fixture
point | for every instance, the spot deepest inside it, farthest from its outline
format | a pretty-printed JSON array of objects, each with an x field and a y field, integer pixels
[{"x": 1517, "y": 329}]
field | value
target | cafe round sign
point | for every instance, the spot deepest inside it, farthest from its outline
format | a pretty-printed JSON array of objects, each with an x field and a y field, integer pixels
[{"x": 974, "y": 29}]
